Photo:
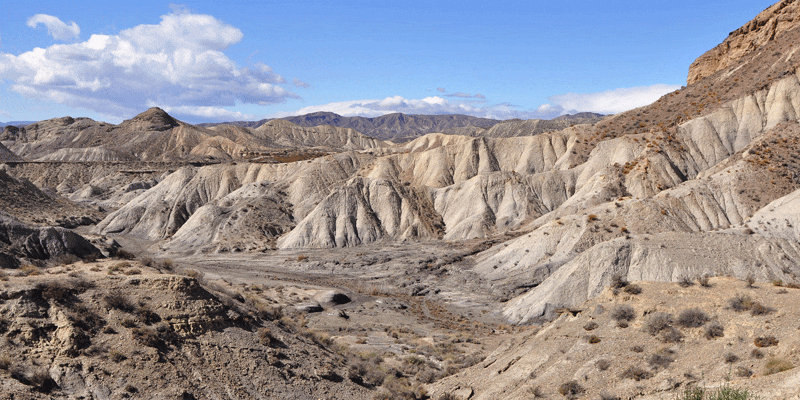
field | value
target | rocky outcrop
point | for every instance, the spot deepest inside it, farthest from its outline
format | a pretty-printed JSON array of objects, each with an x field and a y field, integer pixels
[
  {"x": 42, "y": 243},
  {"x": 769, "y": 24}
]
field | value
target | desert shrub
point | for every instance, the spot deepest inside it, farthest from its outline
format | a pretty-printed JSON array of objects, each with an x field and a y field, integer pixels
[
  {"x": 618, "y": 281},
  {"x": 603, "y": 364},
  {"x": 759, "y": 309},
  {"x": 731, "y": 358},
  {"x": 125, "y": 255},
  {"x": 715, "y": 330},
  {"x": 740, "y": 303},
  {"x": 147, "y": 262},
  {"x": 607, "y": 396},
  {"x": 571, "y": 389},
  {"x": 623, "y": 313},
  {"x": 637, "y": 349},
  {"x": 365, "y": 373},
  {"x": 723, "y": 393},
  {"x": 147, "y": 315},
  {"x": 793, "y": 285},
  {"x": 5, "y": 363},
  {"x": 658, "y": 322},
  {"x": 704, "y": 281},
  {"x": 659, "y": 361},
  {"x": 129, "y": 323},
  {"x": 166, "y": 264},
  {"x": 40, "y": 377},
  {"x": 536, "y": 392},
  {"x": 777, "y": 282},
  {"x": 399, "y": 388},
  {"x": 593, "y": 339},
  {"x": 148, "y": 337},
  {"x": 692, "y": 318},
  {"x": 132, "y": 271},
  {"x": 765, "y": 341},
  {"x": 30, "y": 270},
  {"x": 266, "y": 337},
  {"x": 757, "y": 354},
  {"x": 590, "y": 326},
  {"x": 671, "y": 335},
  {"x": 119, "y": 301},
  {"x": 131, "y": 389},
  {"x": 775, "y": 365},
  {"x": 750, "y": 281},
  {"x": 632, "y": 289},
  {"x": 685, "y": 281},
  {"x": 117, "y": 356},
  {"x": 743, "y": 372},
  {"x": 636, "y": 373},
  {"x": 447, "y": 396}
]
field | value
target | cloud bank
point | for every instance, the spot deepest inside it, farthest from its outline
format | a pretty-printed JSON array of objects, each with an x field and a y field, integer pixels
[
  {"x": 178, "y": 64},
  {"x": 609, "y": 102},
  {"x": 55, "y": 27}
]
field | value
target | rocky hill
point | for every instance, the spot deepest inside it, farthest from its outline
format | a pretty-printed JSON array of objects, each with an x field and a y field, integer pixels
[{"x": 154, "y": 136}]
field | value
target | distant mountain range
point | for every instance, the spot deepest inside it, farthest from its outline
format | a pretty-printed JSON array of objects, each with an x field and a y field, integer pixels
[
  {"x": 16, "y": 123},
  {"x": 401, "y": 127}
]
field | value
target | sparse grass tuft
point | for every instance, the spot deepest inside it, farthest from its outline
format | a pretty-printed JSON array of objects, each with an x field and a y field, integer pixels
[
  {"x": 775, "y": 365},
  {"x": 757, "y": 354},
  {"x": 731, "y": 358},
  {"x": 685, "y": 281},
  {"x": 590, "y": 326}
]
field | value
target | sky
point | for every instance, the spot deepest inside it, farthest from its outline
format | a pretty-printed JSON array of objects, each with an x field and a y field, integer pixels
[{"x": 212, "y": 61}]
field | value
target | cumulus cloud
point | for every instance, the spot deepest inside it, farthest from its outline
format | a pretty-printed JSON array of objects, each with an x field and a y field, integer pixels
[
  {"x": 55, "y": 27},
  {"x": 179, "y": 62},
  {"x": 608, "y": 102}
]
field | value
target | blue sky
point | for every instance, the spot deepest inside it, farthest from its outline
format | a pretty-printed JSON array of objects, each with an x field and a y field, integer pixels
[{"x": 246, "y": 60}]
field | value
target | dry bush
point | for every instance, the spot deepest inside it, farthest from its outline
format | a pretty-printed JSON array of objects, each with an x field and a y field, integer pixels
[
  {"x": 166, "y": 264},
  {"x": 607, "y": 396},
  {"x": 129, "y": 323},
  {"x": 685, "y": 281},
  {"x": 571, "y": 389},
  {"x": 590, "y": 326},
  {"x": 750, "y": 281},
  {"x": 765, "y": 341},
  {"x": 132, "y": 271},
  {"x": 743, "y": 372},
  {"x": 618, "y": 281},
  {"x": 593, "y": 339},
  {"x": 775, "y": 365},
  {"x": 777, "y": 282},
  {"x": 658, "y": 322},
  {"x": 5, "y": 362},
  {"x": 117, "y": 356},
  {"x": 536, "y": 392},
  {"x": 793, "y": 285},
  {"x": 740, "y": 303},
  {"x": 603, "y": 364},
  {"x": 632, "y": 289},
  {"x": 637, "y": 349},
  {"x": 671, "y": 335},
  {"x": 659, "y": 361},
  {"x": 715, "y": 330},
  {"x": 623, "y": 313},
  {"x": 148, "y": 337},
  {"x": 400, "y": 388},
  {"x": 636, "y": 373},
  {"x": 757, "y": 354},
  {"x": 692, "y": 318},
  {"x": 704, "y": 281},
  {"x": 265, "y": 337},
  {"x": 591, "y": 218},
  {"x": 731, "y": 358},
  {"x": 759, "y": 309},
  {"x": 448, "y": 396},
  {"x": 365, "y": 373},
  {"x": 148, "y": 316},
  {"x": 119, "y": 301},
  {"x": 125, "y": 255}
]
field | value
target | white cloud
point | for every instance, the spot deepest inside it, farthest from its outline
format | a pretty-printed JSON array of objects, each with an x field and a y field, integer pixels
[
  {"x": 399, "y": 104},
  {"x": 55, "y": 27},
  {"x": 212, "y": 113},
  {"x": 177, "y": 63},
  {"x": 609, "y": 102}
]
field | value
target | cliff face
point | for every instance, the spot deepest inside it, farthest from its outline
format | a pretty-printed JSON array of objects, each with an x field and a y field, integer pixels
[{"x": 769, "y": 24}]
